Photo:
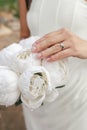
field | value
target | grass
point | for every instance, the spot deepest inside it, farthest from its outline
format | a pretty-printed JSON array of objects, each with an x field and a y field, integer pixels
[
  {"x": 10, "y": 5},
  {"x": 4, "y": 2}
]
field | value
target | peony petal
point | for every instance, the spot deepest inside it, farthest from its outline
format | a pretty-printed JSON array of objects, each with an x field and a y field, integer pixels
[
  {"x": 58, "y": 71},
  {"x": 7, "y": 55},
  {"x": 9, "y": 98},
  {"x": 33, "y": 104},
  {"x": 24, "y": 60},
  {"x": 9, "y": 91},
  {"x": 28, "y": 42}
]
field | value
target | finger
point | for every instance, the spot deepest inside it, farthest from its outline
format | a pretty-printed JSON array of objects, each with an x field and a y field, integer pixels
[
  {"x": 47, "y": 42},
  {"x": 52, "y": 50},
  {"x": 61, "y": 55},
  {"x": 49, "y": 51},
  {"x": 52, "y": 34}
]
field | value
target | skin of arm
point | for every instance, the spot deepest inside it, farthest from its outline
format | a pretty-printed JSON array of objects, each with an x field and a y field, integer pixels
[{"x": 24, "y": 30}]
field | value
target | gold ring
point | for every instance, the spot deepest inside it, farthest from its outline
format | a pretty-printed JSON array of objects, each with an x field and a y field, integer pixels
[{"x": 62, "y": 46}]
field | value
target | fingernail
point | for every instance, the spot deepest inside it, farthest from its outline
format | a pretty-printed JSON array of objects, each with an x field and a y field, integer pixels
[
  {"x": 33, "y": 49},
  {"x": 35, "y": 43},
  {"x": 39, "y": 55},
  {"x": 48, "y": 59}
]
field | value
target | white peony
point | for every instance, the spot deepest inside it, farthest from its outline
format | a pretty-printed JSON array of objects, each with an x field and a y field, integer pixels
[
  {"x": 58, "y": 72},
  {"x": 9, "y": 92},
  {"x": 24, "y": 59},
  {"x": 35, "y": 87},
  {"x": 7, "y": 55},
  {"x": 28, "y": 42}
]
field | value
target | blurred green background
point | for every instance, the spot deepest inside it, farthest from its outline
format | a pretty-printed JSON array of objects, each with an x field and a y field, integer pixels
[{"x": 10, "y": 5}]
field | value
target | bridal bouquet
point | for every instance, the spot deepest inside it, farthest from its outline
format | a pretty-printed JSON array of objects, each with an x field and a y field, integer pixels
[{"x": 23, "y": 76}]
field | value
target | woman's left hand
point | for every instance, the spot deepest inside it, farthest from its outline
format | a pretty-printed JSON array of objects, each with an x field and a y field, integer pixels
[{"x": 60, "y": 44}]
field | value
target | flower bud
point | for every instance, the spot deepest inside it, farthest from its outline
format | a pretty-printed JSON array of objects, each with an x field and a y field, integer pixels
[{"x": 9, "y": 92}]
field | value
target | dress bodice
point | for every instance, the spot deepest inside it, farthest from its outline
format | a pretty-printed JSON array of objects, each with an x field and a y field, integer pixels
[{"x": 48, "y": 15}]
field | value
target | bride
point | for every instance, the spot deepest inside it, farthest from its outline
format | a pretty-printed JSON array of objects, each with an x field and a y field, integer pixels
[{"x": 62, "y": 24}]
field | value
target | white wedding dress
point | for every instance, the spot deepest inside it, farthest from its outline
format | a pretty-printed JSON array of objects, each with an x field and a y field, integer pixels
[{"x": 69, "y": 111}]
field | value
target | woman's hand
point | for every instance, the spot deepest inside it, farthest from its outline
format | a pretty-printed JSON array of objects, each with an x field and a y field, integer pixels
[{"x": 49, "y": 46}]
